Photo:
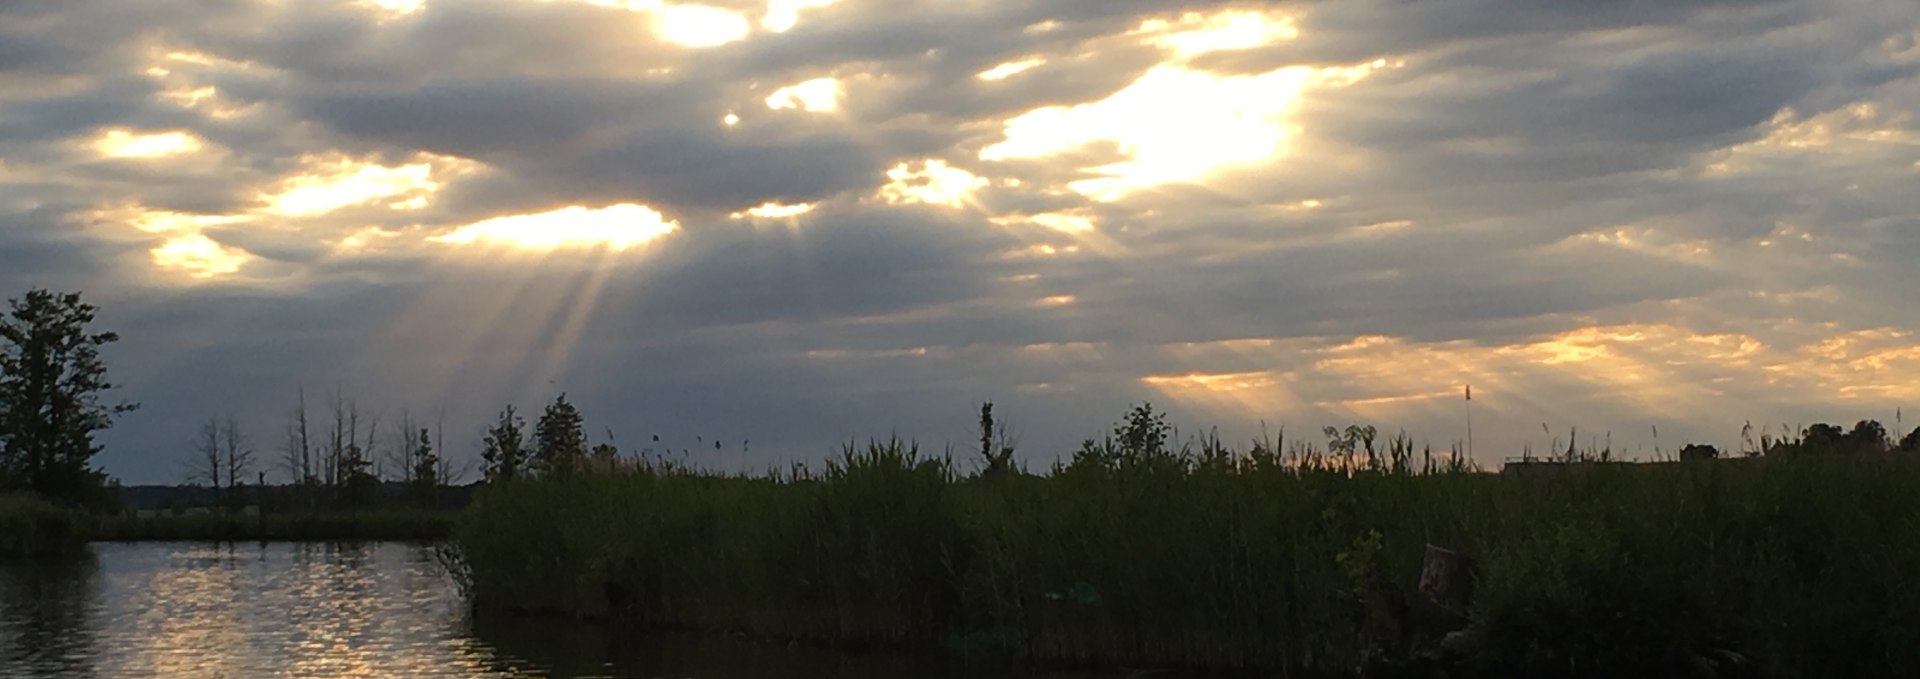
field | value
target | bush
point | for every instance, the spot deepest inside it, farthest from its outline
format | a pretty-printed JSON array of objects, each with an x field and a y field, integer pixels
[{"x": 30, "y": 526}]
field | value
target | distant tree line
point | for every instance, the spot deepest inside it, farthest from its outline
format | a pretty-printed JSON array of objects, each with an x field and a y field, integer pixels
[
  {"x": 1866, "y": 437},
  {"x": 337, "y": 461}
]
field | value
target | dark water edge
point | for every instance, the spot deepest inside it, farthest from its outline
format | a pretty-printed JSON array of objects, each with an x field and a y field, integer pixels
[
  {"x": 283, "y": 609},
  {"x": 578, "y": 648}
]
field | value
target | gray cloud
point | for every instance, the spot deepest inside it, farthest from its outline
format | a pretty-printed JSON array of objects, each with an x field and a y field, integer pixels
[{"x": 1527, "y": 175}]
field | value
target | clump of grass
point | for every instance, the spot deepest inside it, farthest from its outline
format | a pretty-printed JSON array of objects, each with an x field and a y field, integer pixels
[
  {"x": 31, "y": 526},
  {"x": 1144, "y": 551}
]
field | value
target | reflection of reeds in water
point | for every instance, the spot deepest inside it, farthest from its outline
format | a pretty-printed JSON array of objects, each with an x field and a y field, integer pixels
[
  {"x": 1137, "y": 552},
  {"x": 372, "y": 524}
]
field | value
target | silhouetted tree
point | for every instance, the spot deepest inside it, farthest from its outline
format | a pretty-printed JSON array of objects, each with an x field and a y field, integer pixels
[
  {"x": 299, "y": 450},
  {"x": 1139, "y": 439},
  {"x": 996, "y": 445},
  {"x": 358, "y": 484},
  {"x": 1822, "y": 438},
  {"x": 505, "y": 449},
  {"x": 203, "y": 464},
  {"x": 560, "y": 441},
  {"x": 51, "y": 380},
  {"x": 237, "y": 458},
  {"x": 1911, "y": 444},
  {"x": 425, "y": 478},
  {"x": 1698, "y": 451},
  {"x": 1868, "y": 436}
]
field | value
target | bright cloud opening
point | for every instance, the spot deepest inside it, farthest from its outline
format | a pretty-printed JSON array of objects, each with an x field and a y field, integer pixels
[
  {"x": 687, "y": 25},
  {"x": 782, "y": 15},
  {"x": 1194, "y": 34},
  {"x": 146, "y": 220},
  {"x": 395, "y": 8},
  {"x": 198, "y": 257},
  {"x": 819, "y": 95},
  {"x": 1176, "y": 124},
  {"x": 774, "y": 210},
  {"x": 1010, "y": 69},
  {"x": 699, "y": 25},
  {"x": 332, "y": 182},
  {"x": 616, "y": 227},
  {"x": 1065, "y": 222},
  {"x": 124, "y": 143},
  {"x": 935, "y": 183}
]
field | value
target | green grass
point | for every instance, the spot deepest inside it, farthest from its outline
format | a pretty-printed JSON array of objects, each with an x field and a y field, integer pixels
[
  {"x": 30, "y": 526},
  {"x": 1137, "y": 555},
  {"x": 367, "y": 525}
]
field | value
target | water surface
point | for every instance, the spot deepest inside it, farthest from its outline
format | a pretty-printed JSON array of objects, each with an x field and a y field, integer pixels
[{"x": 314, "y": 610}]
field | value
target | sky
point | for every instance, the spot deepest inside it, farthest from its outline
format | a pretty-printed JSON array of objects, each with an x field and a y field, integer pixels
[{"x": 785, "y": 224}]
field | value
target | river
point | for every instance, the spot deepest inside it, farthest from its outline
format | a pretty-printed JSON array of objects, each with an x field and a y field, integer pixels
[{"x": 251, "y": 610}]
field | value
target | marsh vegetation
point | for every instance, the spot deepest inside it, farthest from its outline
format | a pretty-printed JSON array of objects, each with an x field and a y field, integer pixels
[{"x": 1144, "y": 553}]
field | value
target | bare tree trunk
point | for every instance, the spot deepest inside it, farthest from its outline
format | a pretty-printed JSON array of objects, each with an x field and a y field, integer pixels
[
  {"x": 205, "y": 464},
  {"x": 444, "y": 471},
  {"x": 338, "y": 442},
  {"x": 370, "y": 454},
  {"x": 402, "y": 456},
  {"x": 300, "y": 453},
  {"x": 239, "y": 458}
]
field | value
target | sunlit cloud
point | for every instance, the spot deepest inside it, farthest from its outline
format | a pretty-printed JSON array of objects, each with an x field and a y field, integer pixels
[
  {"x": 335, "y": 181},
  {"x": 615, "y": 227},
  {"x": 1241, "y": 393},
  {"x": 1065, "y": 222},
  {"x": 394, "y": 8},
  {"x": 198, "y": 257},
  {"x": 782, "y": 15},
  {"x": 819, "y": 95},
  {"x": 774, "y": 210},
  {"x": 120, "y": 142},
  {"x": 867, "y": 354},
  {"x": 368, "y": 240},
  {"x": 182, "y": 73},
  {"x": 1010, "y": 69},
  {"x": 1651, "y": 243},
  {"x": 145, "y": 220},
  {"x": 1194, "y": 34},
  {"x": 1039, "y": 27},
  {"x": 700, "y": 25},
  {"x": 1041, "y": 250},
  {"x": 934, "y": 183},
  {"x": 1175, "y": 124},
  {"x": 1855, "y": 127},
  {"x": 687, "y": 25}
]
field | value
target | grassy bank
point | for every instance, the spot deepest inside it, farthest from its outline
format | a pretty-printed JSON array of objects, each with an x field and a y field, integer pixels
[
  {"x": 30, "y": 526},
  {"x": 367, "y": 525},
  {"x": 1203, "y": 557}
]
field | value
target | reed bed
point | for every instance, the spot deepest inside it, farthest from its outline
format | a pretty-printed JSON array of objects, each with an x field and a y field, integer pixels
[
  {"x": 31, "y": 526},
  {"x": 1142, "y": 555}
]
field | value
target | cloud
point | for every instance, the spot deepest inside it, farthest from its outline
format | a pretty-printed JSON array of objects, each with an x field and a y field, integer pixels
[{"x": 799, "y": 222}]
